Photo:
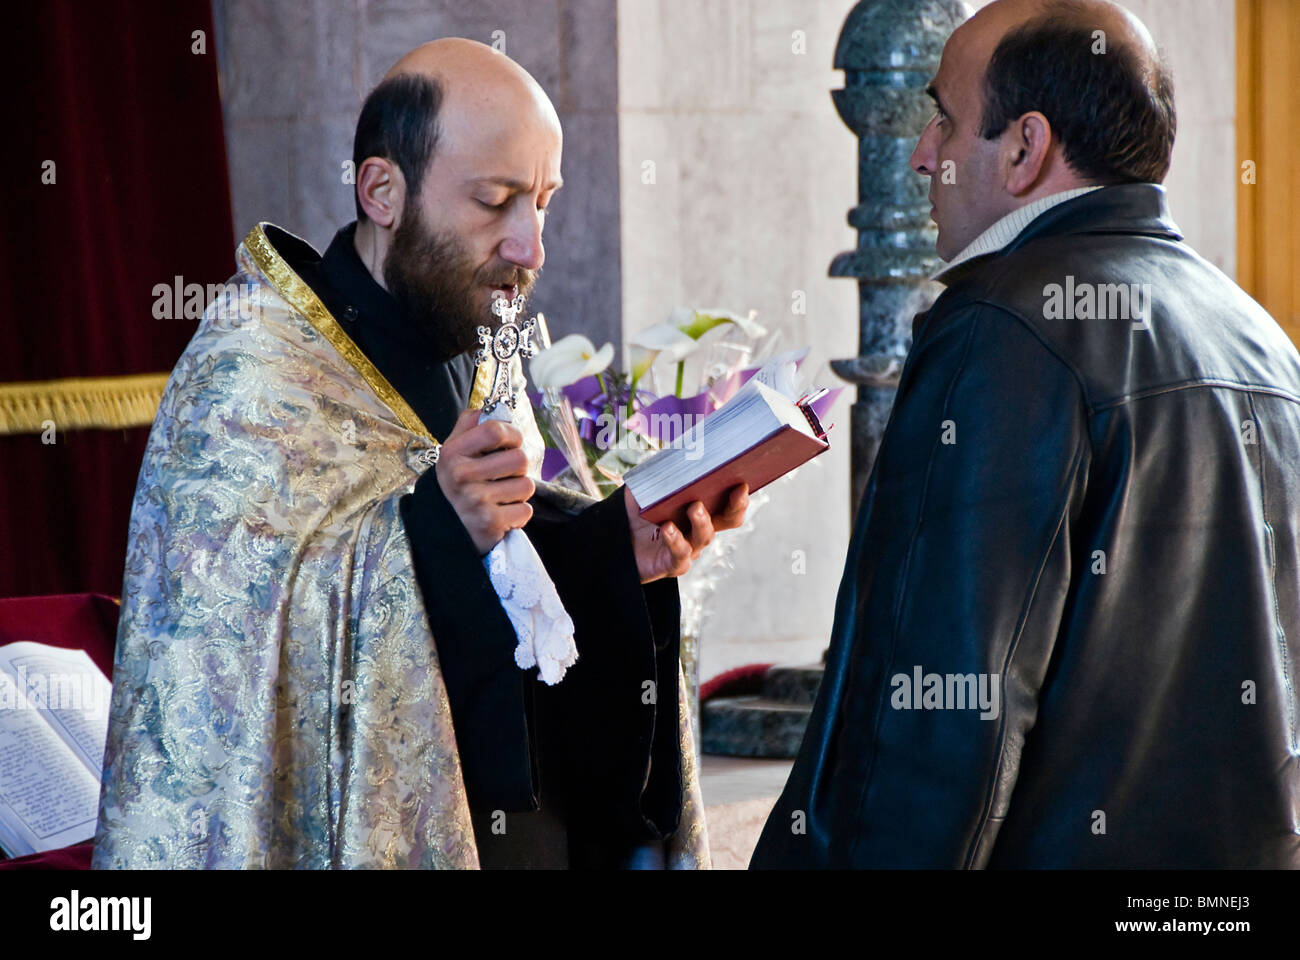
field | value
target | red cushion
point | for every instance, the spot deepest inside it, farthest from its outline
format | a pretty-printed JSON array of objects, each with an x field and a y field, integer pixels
[
  {"x": 75, "y": 621},
  {"x": 75, "y": 857}
]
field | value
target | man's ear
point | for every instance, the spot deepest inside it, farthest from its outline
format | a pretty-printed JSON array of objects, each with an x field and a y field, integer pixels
[
  {"x": 1025, "y": 147},
  {"x": 381, "y": 189}
]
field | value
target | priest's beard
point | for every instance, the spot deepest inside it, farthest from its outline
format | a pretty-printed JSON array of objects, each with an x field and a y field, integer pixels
[{"x": 434, "y": 280}]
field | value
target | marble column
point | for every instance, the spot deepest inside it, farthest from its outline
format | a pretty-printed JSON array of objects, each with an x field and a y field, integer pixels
[{"x": 889, "y": 51}]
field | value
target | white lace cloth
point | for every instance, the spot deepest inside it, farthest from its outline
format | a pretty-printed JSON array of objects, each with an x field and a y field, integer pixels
[{"x": 542, "y": 625}]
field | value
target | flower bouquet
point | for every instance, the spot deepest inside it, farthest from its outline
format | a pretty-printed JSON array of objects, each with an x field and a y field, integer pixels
[{"x": 599, "y": 422}]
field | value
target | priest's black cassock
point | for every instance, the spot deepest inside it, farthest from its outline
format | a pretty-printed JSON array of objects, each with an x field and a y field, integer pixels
[{"x": 580, "y": 774}]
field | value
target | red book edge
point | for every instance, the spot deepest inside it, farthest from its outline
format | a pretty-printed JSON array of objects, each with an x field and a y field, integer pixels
[{"x": 768, "y": 460}]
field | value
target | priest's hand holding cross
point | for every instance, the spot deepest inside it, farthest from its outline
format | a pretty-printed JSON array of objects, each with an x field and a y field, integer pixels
[
  {"x": 662, "y": 550},
  {"x": 483, "y": 472}
]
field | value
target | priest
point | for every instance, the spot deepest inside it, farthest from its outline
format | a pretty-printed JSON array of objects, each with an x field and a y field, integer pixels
[{"x": 326, "y": 652}]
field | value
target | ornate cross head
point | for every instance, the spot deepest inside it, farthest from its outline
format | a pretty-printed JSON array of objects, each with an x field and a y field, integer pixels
[{"x": 509, "y": 339}]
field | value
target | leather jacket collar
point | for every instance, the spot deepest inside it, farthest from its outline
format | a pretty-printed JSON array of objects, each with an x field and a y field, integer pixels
[{"x": 1140, "y": 209}]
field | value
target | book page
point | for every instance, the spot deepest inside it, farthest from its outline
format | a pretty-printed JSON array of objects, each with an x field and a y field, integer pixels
[
  {"x": 48, "y": 798},
  {"x": 744, "y": 421},
  {"x": 781, "y": 373},
  {"x": 68, "y": 690}
]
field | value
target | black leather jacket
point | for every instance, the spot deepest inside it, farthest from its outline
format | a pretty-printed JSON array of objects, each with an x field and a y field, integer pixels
[{"x": 1099, "y": 522}]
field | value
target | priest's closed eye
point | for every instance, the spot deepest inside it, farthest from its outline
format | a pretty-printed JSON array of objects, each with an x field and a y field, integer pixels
[{"x": 495, "y": 206}]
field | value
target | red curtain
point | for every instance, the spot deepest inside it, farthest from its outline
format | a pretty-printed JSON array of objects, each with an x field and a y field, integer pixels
[{"x": 123, "y": 98}]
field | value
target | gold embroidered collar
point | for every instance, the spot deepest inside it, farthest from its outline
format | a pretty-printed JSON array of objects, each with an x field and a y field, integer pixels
[{"x": 303, "y": 299}]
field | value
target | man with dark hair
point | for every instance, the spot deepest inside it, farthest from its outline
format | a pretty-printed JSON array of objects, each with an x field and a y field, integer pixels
[
  {"x": 1069, "y": 624},
  {"x": 1112, "y": 108},
  {"x": 399, "y": 121},
  {"x": 335, "y": 648}
]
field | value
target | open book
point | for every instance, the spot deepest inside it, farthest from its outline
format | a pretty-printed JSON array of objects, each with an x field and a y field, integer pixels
[
  {"x": 53, "y": 724},
  {"x": 760, "y": 434}
]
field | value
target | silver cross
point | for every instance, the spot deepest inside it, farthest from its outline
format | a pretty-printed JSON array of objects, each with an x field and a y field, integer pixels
[{"x": 509, "y": 339}]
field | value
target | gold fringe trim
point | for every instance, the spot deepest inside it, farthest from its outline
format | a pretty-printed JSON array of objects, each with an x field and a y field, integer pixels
[
  {"x": 80, "y": 403},
  {"x": 303, "y": 299}
]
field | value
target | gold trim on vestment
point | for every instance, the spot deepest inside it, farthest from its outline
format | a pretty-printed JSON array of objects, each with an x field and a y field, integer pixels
[
  {"x": 303, "y": 299},
  {"x": 79, "y": 403}
]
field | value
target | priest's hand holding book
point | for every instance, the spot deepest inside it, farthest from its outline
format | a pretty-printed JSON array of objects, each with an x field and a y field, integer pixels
[{"x": 665, "y": 550}]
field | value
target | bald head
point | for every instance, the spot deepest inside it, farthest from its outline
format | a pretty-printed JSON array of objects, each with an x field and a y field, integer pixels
[
  {"x": 451, "y": 95},
  {"x": 478, "y": 83},
  {"x": 1093, "y": 70},
  {"x": 457, "y": 59},
  {"x": 457, "y": 157},
  {"x": 979, "y": 36}
]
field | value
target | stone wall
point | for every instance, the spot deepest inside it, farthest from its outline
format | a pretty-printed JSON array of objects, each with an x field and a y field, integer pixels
[{"x": 753, "y": 176}]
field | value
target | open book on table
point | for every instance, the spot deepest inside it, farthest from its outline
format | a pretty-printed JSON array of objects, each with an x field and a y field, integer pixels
[{"x": 53, "y": 724}]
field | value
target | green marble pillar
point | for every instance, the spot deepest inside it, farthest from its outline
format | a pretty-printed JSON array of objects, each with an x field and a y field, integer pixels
[{"x": 889, "y": 51}]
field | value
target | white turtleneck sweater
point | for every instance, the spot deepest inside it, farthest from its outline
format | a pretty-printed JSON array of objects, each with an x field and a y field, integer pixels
[{"x": 1009, "y": 227}]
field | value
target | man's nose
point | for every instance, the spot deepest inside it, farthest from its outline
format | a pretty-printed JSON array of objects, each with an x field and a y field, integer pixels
[
  {"x": 522, "y": 246},
  {"x": 923, "y": 159}
]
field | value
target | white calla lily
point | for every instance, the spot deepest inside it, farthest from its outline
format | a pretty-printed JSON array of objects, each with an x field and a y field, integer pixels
[
  {"x": 667, "y": 341},
  {"x": 639, "y": 360},
  {"x": 676, "y": 338},
  {"x": 569, "y": 360},
  {"x": 696, "y": 323}
]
